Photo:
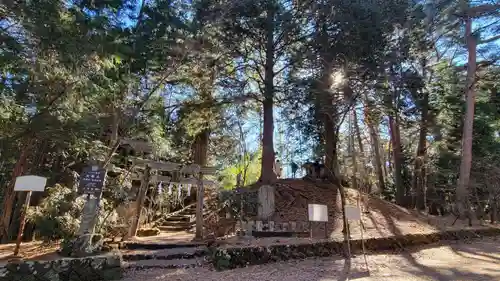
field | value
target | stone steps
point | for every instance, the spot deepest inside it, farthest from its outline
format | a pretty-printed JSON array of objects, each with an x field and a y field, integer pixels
[
  {"x": 173, "y": 228},
  {"x": 165, "y": 254},
  {"x": 164, "y": 264},
  {"x": 178, "y": 218},
  {"x": 183, "y": 221},
  {"x": 139, "y": 245},
  {"x": 188, "y": 212},
  {"x": 179, "y": 223}
]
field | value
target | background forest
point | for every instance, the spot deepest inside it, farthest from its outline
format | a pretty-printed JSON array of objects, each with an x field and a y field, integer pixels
[{"x": 398, "y": 96}]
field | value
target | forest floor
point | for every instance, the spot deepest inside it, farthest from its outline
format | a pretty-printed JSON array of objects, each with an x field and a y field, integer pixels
[
  {"x": 30, "y": 250},
  {"x": 477, "y": 261}
]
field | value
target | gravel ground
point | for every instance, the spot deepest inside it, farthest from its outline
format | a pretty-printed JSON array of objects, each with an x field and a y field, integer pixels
[{"x": 478, "y": 261}]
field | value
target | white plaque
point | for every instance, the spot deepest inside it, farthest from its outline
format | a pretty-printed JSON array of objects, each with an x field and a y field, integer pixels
[
  {"x": 317, "y": 212},
  {"x": 30, "y": 183},
  {"x": 352, "y": 213}
]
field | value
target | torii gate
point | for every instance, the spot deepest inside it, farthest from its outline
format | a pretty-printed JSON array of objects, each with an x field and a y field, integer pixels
[{"x": 147, "y": 177}]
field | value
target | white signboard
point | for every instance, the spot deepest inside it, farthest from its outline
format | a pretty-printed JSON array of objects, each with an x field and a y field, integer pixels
[
  {"x": 30, "y": 183},
  {"x": 317, "y": 212},
  {"x": 352, "y": 213}
]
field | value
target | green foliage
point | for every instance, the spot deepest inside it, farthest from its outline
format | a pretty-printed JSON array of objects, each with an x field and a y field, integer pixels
[
  {"x": 236, "y": 202},
  {"x": 248, "y": 168},
  {"x": 57, "y": 216}
]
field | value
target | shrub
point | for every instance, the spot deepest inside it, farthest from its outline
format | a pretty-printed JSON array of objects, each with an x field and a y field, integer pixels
[{"x": 57, "y": 216}]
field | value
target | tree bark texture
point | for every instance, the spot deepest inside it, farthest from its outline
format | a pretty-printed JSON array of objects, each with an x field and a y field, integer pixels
[
  {"x": 200, "y": 147},
  {"x": 267, "y": 171},
  {"x": 364, "y": 175},
  {"x": 466, "y": 160},
  {"x": 397, "y": 157},
  {"x": 375, "y": 146},
  {"x": 9, "y": 194},
  {"x": 419, "y": 171}
]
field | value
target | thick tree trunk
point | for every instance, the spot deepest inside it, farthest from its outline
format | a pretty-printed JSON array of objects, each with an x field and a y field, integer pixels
[
  {"x": 329, "y": 118},
  {"x": 493, "y": 210},
  {"x": 352, "y": 148},
  {"x": 419, "y": 171},
  {"x": 466, "y": 160},
  {"x": 9, "y": 194},
  {"x": 397, "y": 157},
  {"x": 200, "y": 148},
  {"x": 267, "y": 172},
  {"x": 375, "y": 147},
  {"x": 364, "y": 174},
  {"x": 387, "y": 159},
  {"x": 331, "y": 156}
]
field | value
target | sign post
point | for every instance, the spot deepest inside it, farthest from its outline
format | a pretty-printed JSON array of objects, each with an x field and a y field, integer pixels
[
  {"x": 318, "y": 213},
  {"x": 29, "y": 184},
  {"x": 353, "y": 213},
  {"x": 91, "y": 184},
  {"x": 92, "y": 180}
]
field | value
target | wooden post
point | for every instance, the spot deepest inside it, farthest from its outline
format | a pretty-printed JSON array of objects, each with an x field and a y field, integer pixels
[
  {"x": 200, "y": 193},
  {"x": 141, "y": 196},
  {"x": 22, "y": 223}
]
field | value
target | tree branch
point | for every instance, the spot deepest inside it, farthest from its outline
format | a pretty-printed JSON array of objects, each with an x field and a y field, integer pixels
[
  {"x": 489, "y": 40},
  {"x": 481, "y": 10}
]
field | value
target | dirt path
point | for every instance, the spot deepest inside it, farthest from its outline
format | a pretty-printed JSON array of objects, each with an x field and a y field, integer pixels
[{"x": 478, "y": 261}]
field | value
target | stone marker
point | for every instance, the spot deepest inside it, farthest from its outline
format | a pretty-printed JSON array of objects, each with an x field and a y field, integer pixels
[
  {"x": 271, "y": 225},
  {"x": 91, "y": 183},
  {"x": 285, "y": 226},
  {"x": 266, "y": 202},
  {"x": 278, "y": 226},
  {"x": 89, "y": 215},
  {"x": 249, "y": 228},
  {"x": 258, "y": 225}
]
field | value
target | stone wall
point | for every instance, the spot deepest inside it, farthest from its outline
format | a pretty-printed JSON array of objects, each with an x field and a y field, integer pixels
[
  {"x": 96, "y": 268},
  {"x": 229, "y": 258},
  {"x": 273, "y": 226}
]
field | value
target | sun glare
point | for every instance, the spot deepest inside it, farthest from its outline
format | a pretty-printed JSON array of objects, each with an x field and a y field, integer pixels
[{"x": 337, "y": 78}]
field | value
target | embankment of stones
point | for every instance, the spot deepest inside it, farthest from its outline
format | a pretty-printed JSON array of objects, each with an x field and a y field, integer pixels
[
  {"x": 95, "y": 268},
  {"x": 229, "y": 258}
]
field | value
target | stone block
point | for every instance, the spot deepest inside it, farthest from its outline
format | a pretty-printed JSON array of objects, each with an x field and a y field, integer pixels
[
  {"x": 95, "y": 268},
  {"x": 113, "y": 260},
  {"x": 249, "y": 228},
  {"x": 251, "y": 225},
  {"x": 285, "y": 227},
  {"x": 112, "y": 274},
  {"x": 278, "y": 226},
  {"x": 271, "y": 226},
  {"x": 84, "y": 245},
  {"x": 258, "y": 225},
  {"x": 146, "y": 232}
]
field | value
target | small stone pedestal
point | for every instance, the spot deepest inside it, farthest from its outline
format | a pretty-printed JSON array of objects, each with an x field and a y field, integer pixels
[{"x": 84, "y": 245}]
